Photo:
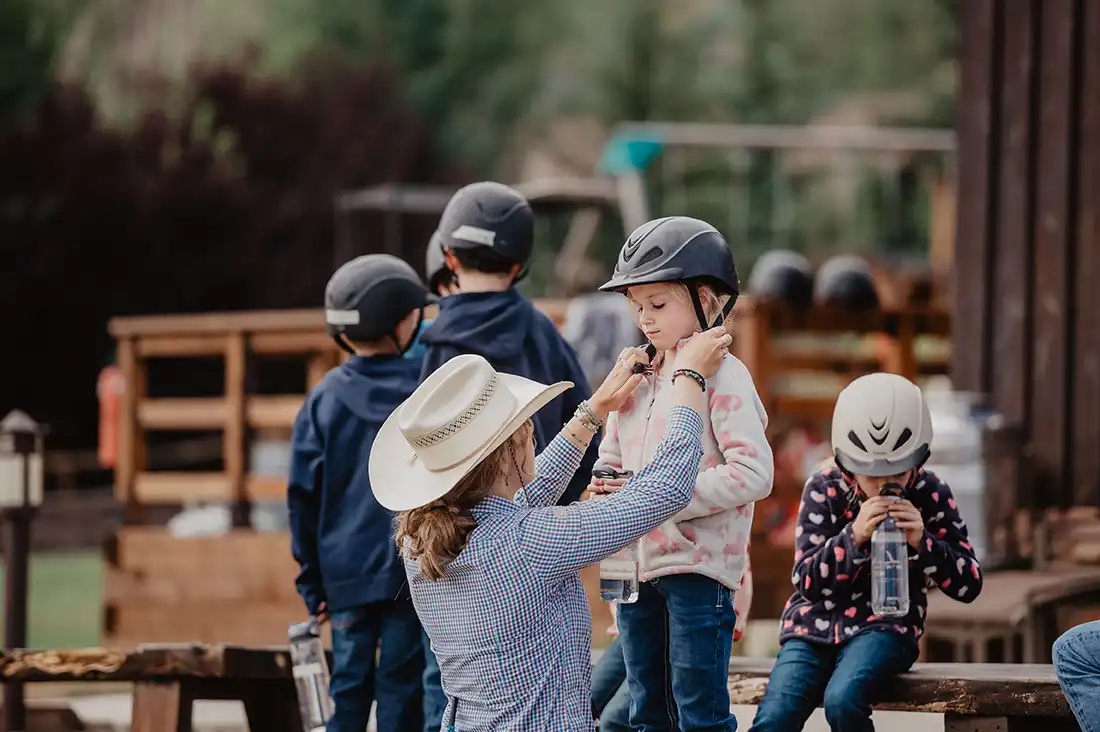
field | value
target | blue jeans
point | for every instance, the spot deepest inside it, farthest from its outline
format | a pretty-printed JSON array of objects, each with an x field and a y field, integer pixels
[
  {"x": 677, "y": 640},
  {"x": 435, "y": 701},
  {"x": 840, "y": 678},
  {"x": 1077, "y": 664},
  {"x": 395, "y": 683},
  {"x": 610, "y": 693}
]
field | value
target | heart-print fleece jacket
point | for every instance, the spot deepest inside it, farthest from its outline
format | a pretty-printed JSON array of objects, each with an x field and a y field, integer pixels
[
  {"x": 832, "y": 575},
  {"x": 710, "y": 537}
]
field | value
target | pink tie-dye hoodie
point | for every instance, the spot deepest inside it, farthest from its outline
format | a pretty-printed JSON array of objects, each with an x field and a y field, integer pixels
[{"x": 710, "y": 537}]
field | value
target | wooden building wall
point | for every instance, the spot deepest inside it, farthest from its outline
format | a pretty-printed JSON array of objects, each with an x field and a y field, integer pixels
[{"x": 1027, "y": 256}]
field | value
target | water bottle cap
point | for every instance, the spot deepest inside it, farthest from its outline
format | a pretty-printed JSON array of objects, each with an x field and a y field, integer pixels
[{"x": 305, "y": 630}]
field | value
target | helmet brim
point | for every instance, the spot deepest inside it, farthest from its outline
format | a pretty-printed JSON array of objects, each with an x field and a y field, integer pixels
[
  {"x": 882, "y": 467},
  {"x": 618, "y": 284}
]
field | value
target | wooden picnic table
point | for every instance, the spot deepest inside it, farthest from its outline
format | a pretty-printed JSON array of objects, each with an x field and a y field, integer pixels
[{"x": 169, "y": 678}]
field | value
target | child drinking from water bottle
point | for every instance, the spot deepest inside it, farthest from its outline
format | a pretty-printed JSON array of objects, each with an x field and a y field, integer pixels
[
  {"x": 679, "y": 275},
  {"x": 834, "y": 649}
]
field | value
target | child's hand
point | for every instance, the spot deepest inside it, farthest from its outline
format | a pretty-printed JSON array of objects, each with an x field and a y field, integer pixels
[
  {"x": 907, "y": 518},
  {"x": 601, "y": 486},
  {"x": 703, "y": 352},
  {"x": 322, "y": 613},
  {"x": 871, "y": 514}
]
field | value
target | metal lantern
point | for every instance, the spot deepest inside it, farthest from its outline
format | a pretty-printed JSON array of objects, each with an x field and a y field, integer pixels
[{"x": 21, "y": 475}]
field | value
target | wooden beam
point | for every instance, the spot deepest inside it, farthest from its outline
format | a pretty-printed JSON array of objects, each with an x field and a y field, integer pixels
[
  {"x": 1086, "y": 335},
  {"x": 171, "y": 488},
  {"x": 183, "y": 413},
  {"x": 1052, "y": 305},
  {"x": 979, "y": 71}
]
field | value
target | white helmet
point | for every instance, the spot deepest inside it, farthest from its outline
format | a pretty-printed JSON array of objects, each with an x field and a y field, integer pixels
[{"x": 881, "y": 426}]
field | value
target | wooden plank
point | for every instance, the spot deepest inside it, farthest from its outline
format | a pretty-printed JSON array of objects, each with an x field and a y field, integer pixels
[
  {"x": 1053, "y": 261},
  {"x": 148, "y": 663},
  {"x": 979, "y": 82},
  {"x": 1012, "y": 285},
  {"x": 291, "y": 342},
  {"x": 131, "y": 441},
  {"x": 164, "y": 346},
  {"x": 235, "y": 436},
  {"x": 273, "y": 412},
  {"x": 1086, "y": 360},
  {"x": 183, "y": 413},
  {"x": 253, "y": 623},
  {"x": 164, "y": 487},
  {"x": 161, "y": 707}
]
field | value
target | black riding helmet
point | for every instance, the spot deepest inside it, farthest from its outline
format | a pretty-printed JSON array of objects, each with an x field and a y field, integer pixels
[
  {"x": 436, "y": 270},
  {"x": 845, "y": 280},
  {"x": 368, "y": 297},
  {"x": 678, "y": 249},
  {"x": 783, "y": 275},
  {"x": 491, "y": 217}
]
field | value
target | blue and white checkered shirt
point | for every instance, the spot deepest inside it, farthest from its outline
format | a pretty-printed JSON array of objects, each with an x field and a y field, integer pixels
[{"x": 509, "y": 620}]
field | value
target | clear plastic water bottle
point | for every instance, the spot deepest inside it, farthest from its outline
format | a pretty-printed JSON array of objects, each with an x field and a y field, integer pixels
[
  {"x": 619, "y": 572},
  {"x": 889, "y": 565},
  {"x": 311, "y": 675}
]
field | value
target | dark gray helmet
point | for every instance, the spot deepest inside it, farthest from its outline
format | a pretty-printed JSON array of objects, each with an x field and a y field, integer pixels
[
  {"x": 784, "y": 275},
  {"x": 436, "y": 271},
  {"x": 490, "y": 215},
  {"x": 368, "y": 297},
  {"x": 677, "y": 249},
  {"x": 845, "y": 280}
]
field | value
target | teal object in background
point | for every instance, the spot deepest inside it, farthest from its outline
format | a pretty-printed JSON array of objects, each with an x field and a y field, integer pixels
[
  {"x": 418, "y": 349},
  {"x": 625, "y": 153}
]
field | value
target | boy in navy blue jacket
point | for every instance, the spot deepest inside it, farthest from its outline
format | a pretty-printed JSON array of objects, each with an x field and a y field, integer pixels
[
  {"x": 340, "y": 536},
  {"x": 487, "y": 235}
]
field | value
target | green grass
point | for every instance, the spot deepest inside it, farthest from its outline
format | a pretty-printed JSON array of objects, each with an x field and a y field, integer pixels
[{"x": 65, "y": 606}]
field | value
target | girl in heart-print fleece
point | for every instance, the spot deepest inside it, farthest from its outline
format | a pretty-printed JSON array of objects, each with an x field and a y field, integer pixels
[
  {"x": 832, "y": 575},
  {"x": 710, "y": 537}
]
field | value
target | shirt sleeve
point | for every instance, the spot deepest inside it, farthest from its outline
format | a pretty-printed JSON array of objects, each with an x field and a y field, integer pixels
[
  {"x": 945, "y": 553},
  {"x": 561, "y": 540},
  {"x": 824, "y": 555},
  {"x": 746, "y": 470},
  {"x": 555, "y": 467},
  {"x": 303, "y": 505}
]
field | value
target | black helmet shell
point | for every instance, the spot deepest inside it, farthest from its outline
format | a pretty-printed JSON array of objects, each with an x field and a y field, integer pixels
[
  {"x": 783, "y": 275},
  {"x": 435, "y": 264},
  {"x": 492, "y": 215},
  {"x": 845, "y": 280},
  {"x": 367, "y": 298},
  {"x": 675, "y": 249}
]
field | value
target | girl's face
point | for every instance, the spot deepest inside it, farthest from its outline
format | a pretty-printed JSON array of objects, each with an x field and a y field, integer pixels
[
  {"x": 663, "y": 314},
  {"x": 872, "y": 486}
]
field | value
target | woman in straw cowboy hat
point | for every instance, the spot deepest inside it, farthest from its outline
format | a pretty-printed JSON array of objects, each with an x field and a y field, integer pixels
[{"x": 493, "y": 564}]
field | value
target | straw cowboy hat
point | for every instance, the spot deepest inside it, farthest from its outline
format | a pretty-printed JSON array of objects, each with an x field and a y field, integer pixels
[{"x": 453, "y": 421}]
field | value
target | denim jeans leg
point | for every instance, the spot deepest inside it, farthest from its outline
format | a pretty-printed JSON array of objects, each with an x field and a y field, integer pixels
[
  {"x": 700, "y": 632},
  {"x": 1077, "y": 665},
  {"x": 616, "y": 715},
  {"x": 399, "y": 685},
  {"x": 435, "y": 701},
  {"x": 643, "y": 626},
  {"x": 862, "y": 664},
  {"x": 796, "y": 686},
  {"x": 354, "y": 643},
  {"x": 608, "y": 675}
]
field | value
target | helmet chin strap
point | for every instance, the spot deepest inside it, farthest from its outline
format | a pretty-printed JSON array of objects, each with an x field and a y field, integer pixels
[
  {"x": 402, "y": 350},
  {"x": 693, "y": 291}
]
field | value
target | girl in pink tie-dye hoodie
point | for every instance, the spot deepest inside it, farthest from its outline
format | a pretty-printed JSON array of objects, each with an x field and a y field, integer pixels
[{"x": 679, "y": 276}]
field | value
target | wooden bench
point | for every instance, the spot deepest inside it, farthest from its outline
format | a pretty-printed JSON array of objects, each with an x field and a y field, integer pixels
[
  {"x": 168, "y": 679},
  {"x": 973, "y": 697}
]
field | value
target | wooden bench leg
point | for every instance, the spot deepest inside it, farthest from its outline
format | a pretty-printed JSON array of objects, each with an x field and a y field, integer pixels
[
  {"x": 272, "y": 707},
  {"x": 161, "y": 707},
  {"x": 959, "y": 723}
]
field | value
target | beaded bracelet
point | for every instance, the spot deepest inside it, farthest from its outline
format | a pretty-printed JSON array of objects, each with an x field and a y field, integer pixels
[
  {"x": 588, "y": 418},
  {"x": 572, "y": 433},
  {"x": 693, "y": 375}
]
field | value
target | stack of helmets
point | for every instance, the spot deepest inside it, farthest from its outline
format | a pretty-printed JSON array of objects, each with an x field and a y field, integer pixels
[
  {"x": 783, "y": 275},
  {"x": 845, "y": 281}
]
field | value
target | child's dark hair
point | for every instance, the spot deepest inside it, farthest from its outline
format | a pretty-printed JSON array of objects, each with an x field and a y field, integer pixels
[{"x": 483, "y": 259}]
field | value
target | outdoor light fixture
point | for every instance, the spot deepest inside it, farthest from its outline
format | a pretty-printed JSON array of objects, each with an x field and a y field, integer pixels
[{"x": 20, "y": 462}]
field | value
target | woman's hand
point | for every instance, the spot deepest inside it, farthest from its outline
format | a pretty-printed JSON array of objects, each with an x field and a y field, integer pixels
[
  {"x": 871, "y": 514},
  {"x": 619, "y": 384},
  {"x": 603, "y": 486},
  {"x": 907, "y": 518},
  {"x": 703, "y": 352}
]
